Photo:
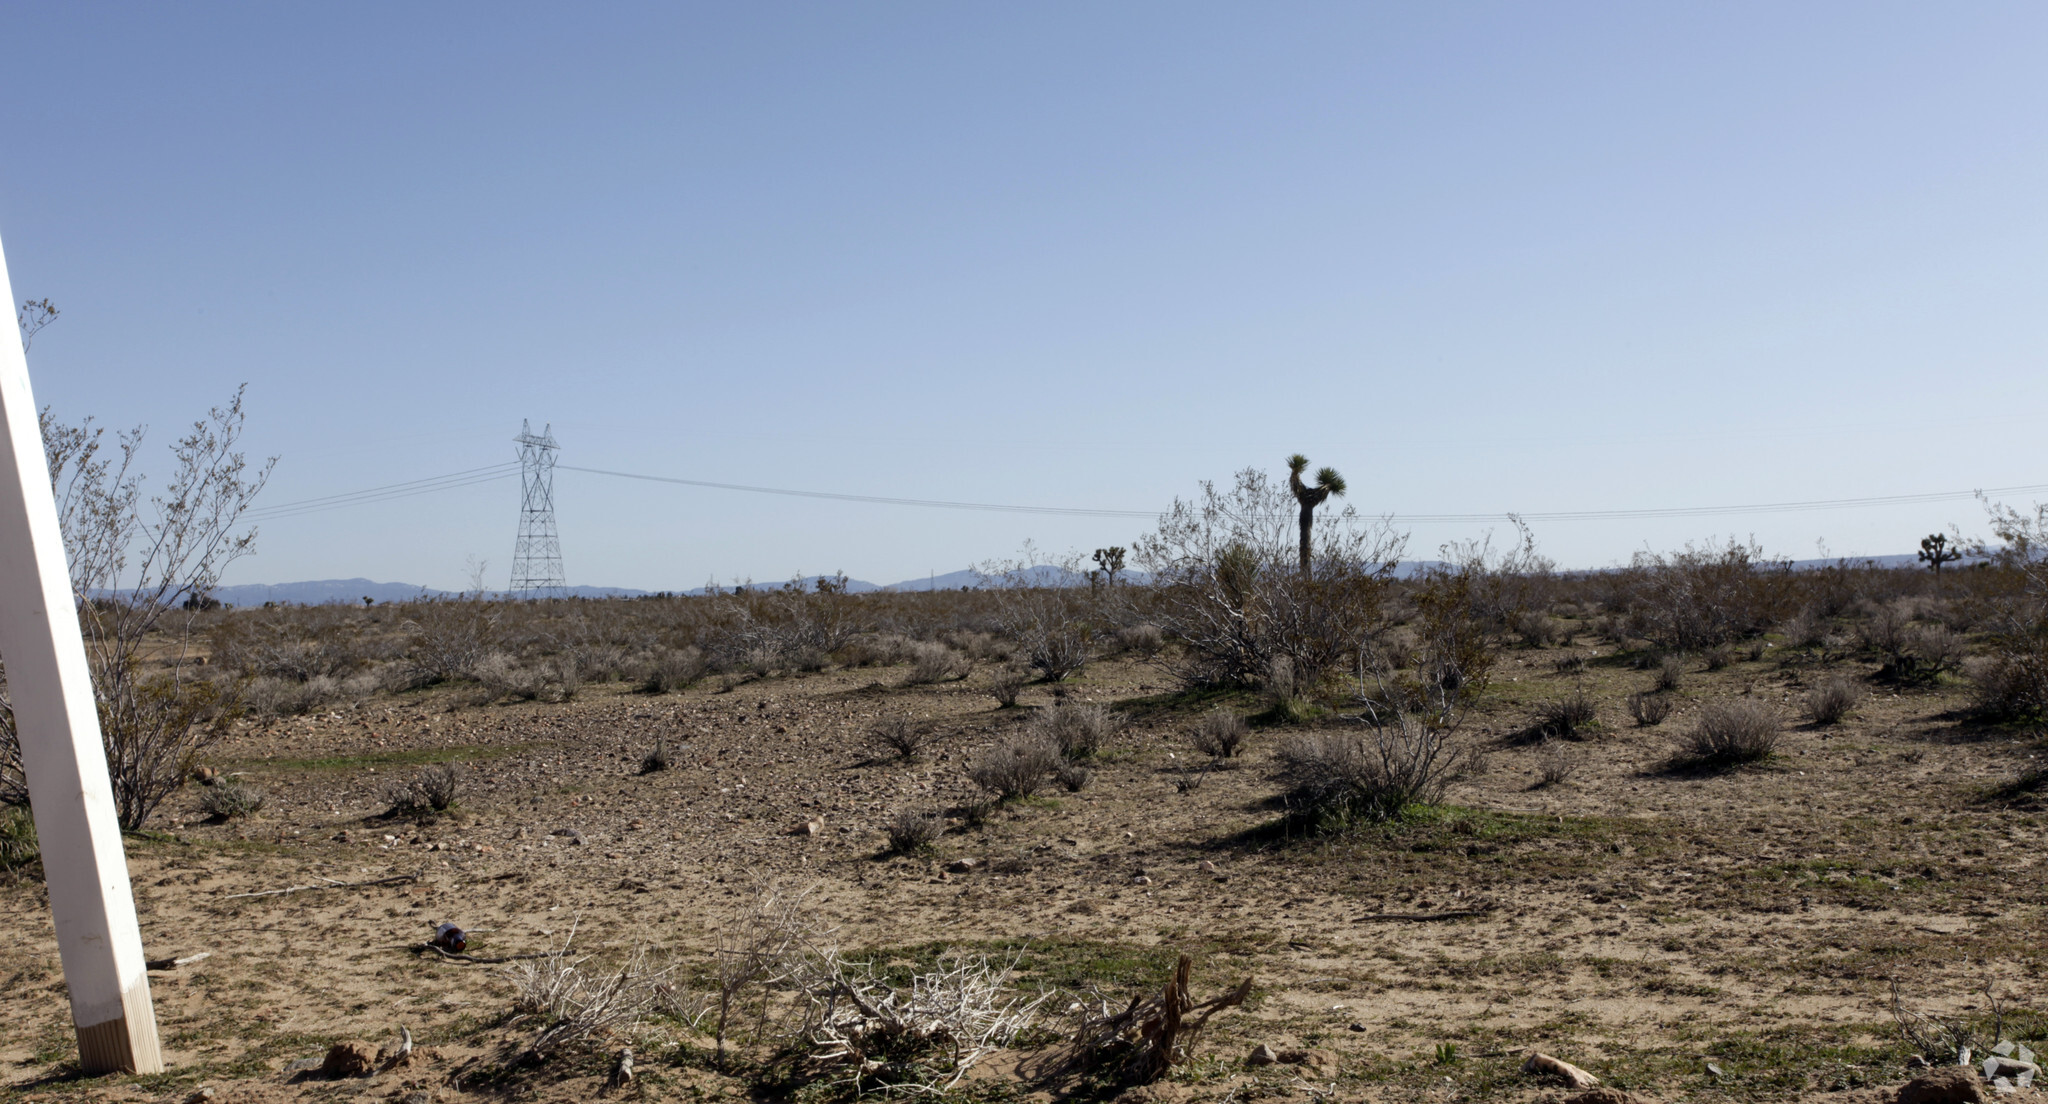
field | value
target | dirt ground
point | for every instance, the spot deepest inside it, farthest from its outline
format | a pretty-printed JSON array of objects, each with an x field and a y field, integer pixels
[{"x": 1684, "y": 935}]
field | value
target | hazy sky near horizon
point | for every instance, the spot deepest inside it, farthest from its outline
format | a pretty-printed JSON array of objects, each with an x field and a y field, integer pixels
[{"x": 1479, "y": 257}]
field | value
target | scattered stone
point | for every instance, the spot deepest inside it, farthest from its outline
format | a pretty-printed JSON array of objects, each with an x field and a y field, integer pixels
[
  {"x": 1207, "y": 867},
  {"x": 352, "y": 1058},
  {"x": 1262, "y": 1055},
  {"x": 1141, "y": 880},
  {"x": 1947, "y": 1085},
  {"x": 808, "y": 828},
  {"x": 1358, "y": 1027},
  {"x": 201, "y": 1095},
  {"x": 962, "y": 866}
]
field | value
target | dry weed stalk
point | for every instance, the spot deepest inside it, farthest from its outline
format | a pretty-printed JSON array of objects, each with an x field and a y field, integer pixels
[
  {"x": 922, "y": 1039},
  {"x": 761, "y": 942},
  {"x": 1153, "y": 1032}
]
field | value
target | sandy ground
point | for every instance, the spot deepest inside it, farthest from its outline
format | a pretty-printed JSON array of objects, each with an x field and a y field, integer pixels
[{"x": 1686, "y": 935}]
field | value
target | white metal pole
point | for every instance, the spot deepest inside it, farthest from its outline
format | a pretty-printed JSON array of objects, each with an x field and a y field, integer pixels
[{"x": 54, "y": 716}]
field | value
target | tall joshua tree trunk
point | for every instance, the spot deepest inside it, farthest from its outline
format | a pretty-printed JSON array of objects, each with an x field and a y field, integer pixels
[{"x": 1328, "y": 483}]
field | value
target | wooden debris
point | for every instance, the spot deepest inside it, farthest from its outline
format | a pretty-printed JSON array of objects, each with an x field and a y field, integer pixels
[
  {"x": 1152, "y": 1033},
  {"x": 1544, "y": 1064},
  {"x": 396, "y": 879}
]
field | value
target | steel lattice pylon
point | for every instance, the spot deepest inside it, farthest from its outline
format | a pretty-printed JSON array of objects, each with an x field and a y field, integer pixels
[{"x": 537, "y": 558}]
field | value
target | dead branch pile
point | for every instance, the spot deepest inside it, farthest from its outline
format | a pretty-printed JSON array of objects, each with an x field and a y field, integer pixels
[
  {"x": 1152, "y": 1033},
  {"x": 920, "y": 1039}
]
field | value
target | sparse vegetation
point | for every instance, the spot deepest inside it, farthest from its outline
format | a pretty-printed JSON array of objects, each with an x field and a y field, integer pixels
[
  {"x": 1830, "y": 701},
  {"x": 231, "y": 800},
  {"x": 913, "y": 830},
  {"x": 1648, "y": 710},
  {"x": 1336, "y": 779},
  {"x": 433, "y": 790},
  {"x": 1016, "y": 766},
  {"x": 1221, "y": 734},
  {"x": 903, "y": 736}
]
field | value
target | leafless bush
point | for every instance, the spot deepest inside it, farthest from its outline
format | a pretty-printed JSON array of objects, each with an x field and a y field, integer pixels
[
  {"x": 761, "y": 941},
  {"x": 2010, "y": 685},
  {"x": 933, "y": 662},
  {"x": 230, "y": 800},
  {"x": 666, "y": 670},
  {"x": 1073, "y": 776},
  {"x": 1808, "y": 630},
  {"x": 980, "y": 646},
  {"x": 919, "y": 1038},
  {"x": 1077, "y": 729},
  {"x": 1830, "y": 701},
  {"x": 575, "y": 1004},
  {"x": 1149, "y": 1034},
  {"x": 1737, "y": 730},
  {"x": 1555, "y": 764},
  {"x": 1719, "y": 657},
  {"x": 139, "y": 568},
  {"x": 1221, "y": 735},
  {"x": 1536, "y": 629},
  {"x": 1016, "y": 766},
  {"x": 912, "y": 830},
  {"x": 432, "y": 790},
  {"x": 903, "y": 736},
  {"x": 1670, "y": 673},
  {"x": 1005, "y": 683},
  {"x": 1335, "y": 779},
  {"x": 1052, "y": 623},
  {"x": 265, "y": 696},
  {"x": 1648, "y": 709}
]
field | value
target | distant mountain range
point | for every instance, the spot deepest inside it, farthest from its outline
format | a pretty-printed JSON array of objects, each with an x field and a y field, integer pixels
[{"x": 351, "y": 591}]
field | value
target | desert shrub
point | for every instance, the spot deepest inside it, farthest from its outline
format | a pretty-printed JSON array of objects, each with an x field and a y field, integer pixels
[
  {"x": 1077, "y": 729},
  {"x": 1719, "y": 657},
  {"x": 1335, "y": 779},
  {"x": 1051, "y": 624},
  {"x": 1808, "y": 630},
  {"x": 432, "y": 790},
  {"x": 1221, "y": 735},
  {"x": 1648, "y": 709},
  {"x": 1702, "y": 596},
  {"x": 2012, "y": 685},
  {"x": 1736, "y": 730},
  {"x": 20, "y": 855},
  {"x": 1074, "y": 776},
  {"x": 1015, "y": 767},
  {"x": 549, "y": 678},
  {"x": 1145, "y": 639},
  {"x": 1670, "y": 673},
  {"x": 913, "y": 830},
  {"x": 1555, "y": 764},
  {"x": 979, "y": 646},
  {"x": 881, "y": 650},
  {"x": 657, "y": 759},
  {"x": 1228, "y": 584},
  {"x": 1573, "y": 664},
  {"x": 1568, "y": 717},
  {"x": 1005, "y": 683},
  {"x": 934, "y": 662},
  {"x": 266, "y": 696},
  {"x": 1830, "y": 701},
  {"x": 230, "y": 800},
  {"x": 447, "y": 638},
  {"x": 903, "y": 736},
  {"x": 1536, "y": 629},
  {"x": 666, "y": 670}
]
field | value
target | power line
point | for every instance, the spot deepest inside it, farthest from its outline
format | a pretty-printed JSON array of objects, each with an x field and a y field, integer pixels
[
  {"x": 1557, "y": 515},
  {"x": 385, "y": 493}
]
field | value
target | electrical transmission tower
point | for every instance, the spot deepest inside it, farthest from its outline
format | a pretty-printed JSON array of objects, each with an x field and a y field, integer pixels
[{"x": 537, "y": 558}]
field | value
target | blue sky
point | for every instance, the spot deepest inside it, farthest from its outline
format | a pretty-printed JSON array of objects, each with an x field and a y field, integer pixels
[{"x": 1478, "y": 257}]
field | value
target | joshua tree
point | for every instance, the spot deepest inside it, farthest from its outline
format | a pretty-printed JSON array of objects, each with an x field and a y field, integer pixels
[
  {"x": 1328, "y": 483},
  {"x": 1934, "y": 551}
]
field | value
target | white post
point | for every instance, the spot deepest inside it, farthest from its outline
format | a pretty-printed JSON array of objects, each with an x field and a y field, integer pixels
[{"x": 59, "y": 727}]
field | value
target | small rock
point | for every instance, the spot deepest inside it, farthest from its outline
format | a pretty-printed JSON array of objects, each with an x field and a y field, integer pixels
[
  {"x": 352, "y": 1058},
  {"x": 1207, "y": 867},
  {"x": 808, "y": 828},
  {"x": 962, "y": 866},
  {"x": 1262, "y": 1055},
  {"x": 1997, "y": 1066},
  {"x": 1947, "y": 1085},
  {"x": 1571, "y": 1075},
  {"x": 201, "y": 1095},
  {"x": 1715, "y": 1070},
  {"x": 1141, "y": 880},
  {"x": 1358, "y": 1027}
]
